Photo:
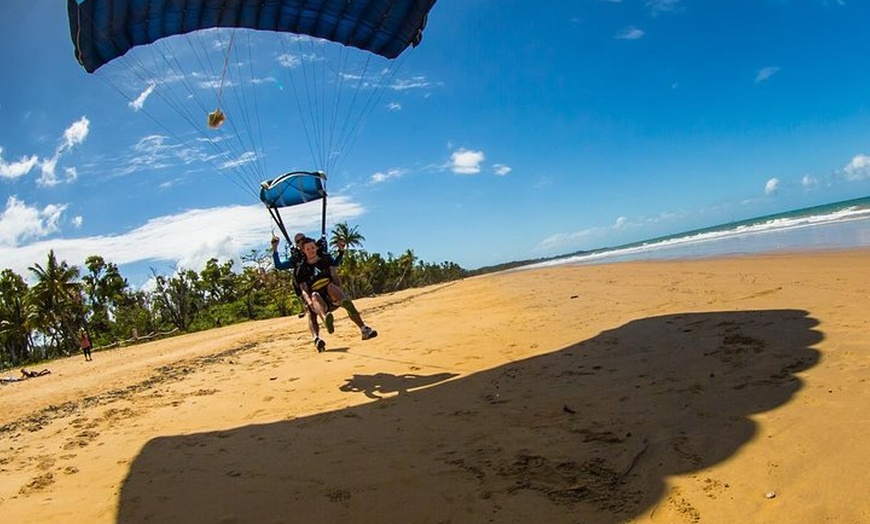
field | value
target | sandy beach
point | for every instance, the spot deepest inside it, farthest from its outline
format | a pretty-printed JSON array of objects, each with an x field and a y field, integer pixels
[{"x": 704, "y": 391}]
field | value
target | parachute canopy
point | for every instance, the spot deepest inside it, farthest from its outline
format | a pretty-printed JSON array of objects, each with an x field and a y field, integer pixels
[
  {"x": 103, "y": 30},
  {"x": 293, "y": 188}
]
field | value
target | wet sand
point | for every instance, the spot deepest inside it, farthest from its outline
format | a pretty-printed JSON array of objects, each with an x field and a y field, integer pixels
[{"x": 715, "y": 391}]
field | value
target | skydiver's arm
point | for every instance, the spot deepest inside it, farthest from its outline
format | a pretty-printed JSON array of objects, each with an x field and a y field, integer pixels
[{"x": 278, "y": 263}]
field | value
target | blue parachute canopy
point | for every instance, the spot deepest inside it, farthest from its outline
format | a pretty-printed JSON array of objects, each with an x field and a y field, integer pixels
[
  {"x": 103, "y": 30},
  {"x": 293, "y": 188}
]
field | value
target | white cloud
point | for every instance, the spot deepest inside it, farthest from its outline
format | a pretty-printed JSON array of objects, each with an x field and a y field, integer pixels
[
  {"x": 621, "y": 222},
  {"x": 465, "y": 162},
  {"x": 808, "y": 181},
  {"x": 416, "y": 82},
  {"x": 501, "y": 169},
  {"x": 662, "y": 6},
  {"x": 765, "y": 73},
  {"x": 18, "y": 168},
  {"x": 245, "y": 158},
  {"x": 188, "y": 239},
  {"x": 394, "y": 106},
  {"x": 77, "y": 221},
  {"x": 858, "y": 168},
  {"x": 156, "y": 152},
  {"x": 47, "y": 177},
  {"x": 76, "y": 133},
  {"x": 381, "y": 177},
  {"x": 630, "y": 33},
  {"x": 771, "y": 186},
  {"x": 139, "y": 103},
  {"x": 20, "y": 222}
]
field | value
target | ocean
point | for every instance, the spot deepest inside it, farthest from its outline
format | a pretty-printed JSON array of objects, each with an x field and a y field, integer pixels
[{"x": 839, "y": 225}]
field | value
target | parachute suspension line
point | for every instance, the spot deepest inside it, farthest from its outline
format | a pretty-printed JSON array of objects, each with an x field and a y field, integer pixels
[
  {"x": 135, "y": 71},
  {"x": 161, "y": 52},
  {"x": 276, "y": 217},
  {"x": 314, "y": 105},
  {"x": 259, "y": 130},
  {"x": 224, "y": 72},
  {"x": 323, "y": 217},
  {"x": 232, "y": 158},
  {"x": 349, "y": 130},
  {"x": 374, "y": 97},
  {"x": 199, "y": 48},
  {"x": 134, "y": 65},
  {"x": 249, "y": 159},
  {"x": 304, "y": 124},
  {"x": 335, "y": 144}
]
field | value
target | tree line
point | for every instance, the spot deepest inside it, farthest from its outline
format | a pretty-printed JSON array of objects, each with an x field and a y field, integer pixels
[{"x": 42, "y": 321}]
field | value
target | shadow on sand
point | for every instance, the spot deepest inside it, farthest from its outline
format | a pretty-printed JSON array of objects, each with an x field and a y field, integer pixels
[{"x": 588, "y": 433}]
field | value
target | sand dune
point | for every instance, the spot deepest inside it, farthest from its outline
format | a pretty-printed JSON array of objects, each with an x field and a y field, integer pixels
[{"x": 714, "y": 391}]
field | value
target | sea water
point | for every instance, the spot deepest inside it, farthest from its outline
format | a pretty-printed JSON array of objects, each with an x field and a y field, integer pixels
[{"x": 839, "y": 225}]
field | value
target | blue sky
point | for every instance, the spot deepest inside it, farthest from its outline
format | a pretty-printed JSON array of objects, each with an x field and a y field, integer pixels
[{"x": 515, "y": 130}]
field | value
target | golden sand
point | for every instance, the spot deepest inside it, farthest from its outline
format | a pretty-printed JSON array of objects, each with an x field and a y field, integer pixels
[{"x": 712, "y": 391}]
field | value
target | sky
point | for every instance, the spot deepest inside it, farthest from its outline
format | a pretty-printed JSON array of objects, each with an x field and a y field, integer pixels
[{"x": 515, "y": 130}]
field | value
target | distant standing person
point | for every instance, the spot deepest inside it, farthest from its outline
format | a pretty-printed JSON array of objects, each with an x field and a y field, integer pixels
[{"x": 86, "y": 344}]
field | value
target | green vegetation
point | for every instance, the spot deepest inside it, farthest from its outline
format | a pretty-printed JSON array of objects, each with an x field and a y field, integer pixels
[{"x": 41, "y": 322}]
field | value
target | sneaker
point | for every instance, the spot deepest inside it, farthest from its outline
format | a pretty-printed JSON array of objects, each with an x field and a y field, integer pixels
[
  {"x": 368, "y": 333},
  {"x": 330, "y": 323},
  {"x": 320, "y": 344}
]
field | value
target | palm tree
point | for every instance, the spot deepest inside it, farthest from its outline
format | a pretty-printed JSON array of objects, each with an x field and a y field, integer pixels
[
  {"x": 405, "y": 263},
  {"x": 15, "y": 319},
  {"x": 58, "y": 303},
  {"x": 344, "y": 234}
]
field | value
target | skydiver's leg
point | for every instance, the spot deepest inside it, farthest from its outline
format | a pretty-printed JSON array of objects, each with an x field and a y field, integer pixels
[
  {"x": 338, "y": 297},
  {"x": 314, "y": 328},
  {"x": 323, "y": 308}
]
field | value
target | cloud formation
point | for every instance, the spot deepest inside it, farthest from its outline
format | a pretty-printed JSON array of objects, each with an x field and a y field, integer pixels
[
  {"x": 771, "y": 186},
  {"x": 466, "y": 162},
  {"x": 765, "y": 73},
  {"x": 662, "y": 6},
  {"x": 20, "y": 222},
  {"x": 74, "y": 135},
  {"x": 630, "y": 33},
  {"x": 858, "y": 168},
  {"x": 18, "y": 168},
  {"x": 381, "y": 176},
  {"x": 139, "y": 103},
  {"x": 188, "y": 239},
  {"x": 501, "y": 169}
]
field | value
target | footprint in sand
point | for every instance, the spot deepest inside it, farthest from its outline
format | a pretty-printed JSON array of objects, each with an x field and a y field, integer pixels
[
  {"x": 338, "y": 495},
  {"x": 38, "y": 483},
  {"x": 714, "y": 487},
  {"x": 81, "y": 440}
]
